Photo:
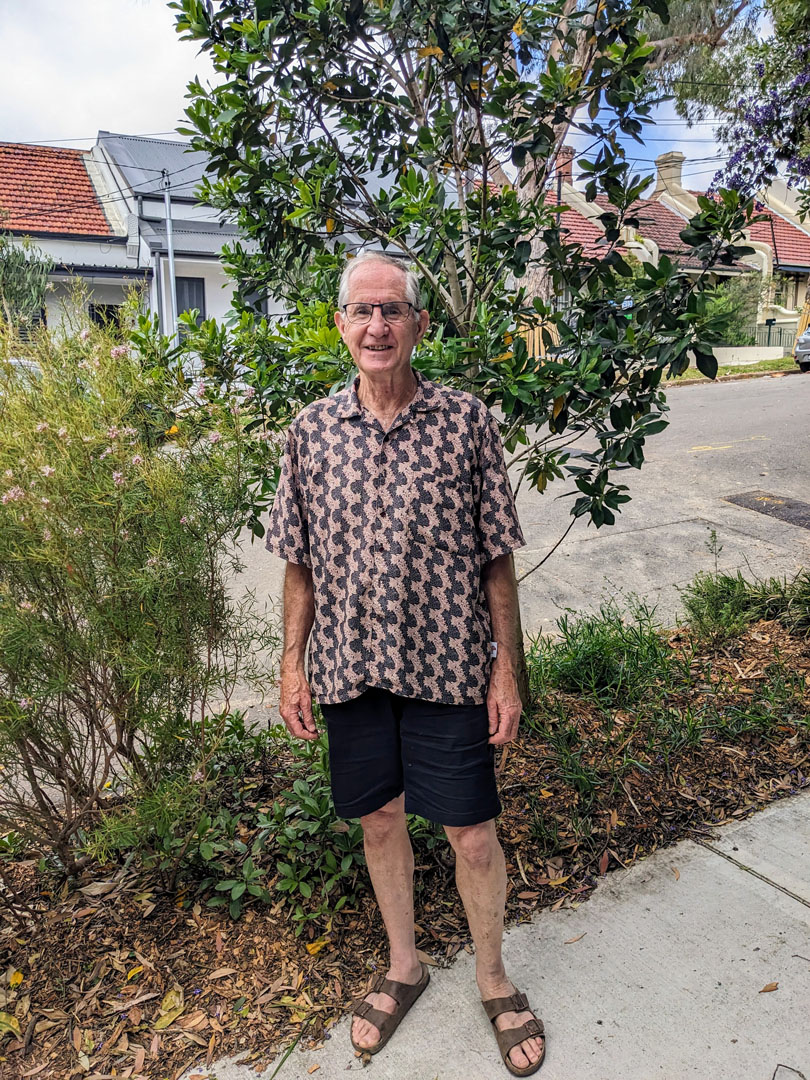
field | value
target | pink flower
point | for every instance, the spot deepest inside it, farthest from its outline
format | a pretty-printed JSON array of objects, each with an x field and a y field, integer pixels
[
  {"x": 26, "y": 605},
  {"x": 13, "y": 495},
  {"x": 248, "y": 394},
  {"x": 152, "y": 561},
  {"x": 42, "y": 426},
  {"x": 125, "y": 534},
  {"x": 84, "y": 335},
  {"x": 199, "y": 390},
  {"x": 62, "y": 432},
  {"x": 214, "y": 436},
  {"x": 118, "y": 351},
  {"x": 47, "y": 470},
  {"x": 45, "y": 502},
  {"x": 46, "y": 534},
  {"x": 105, "y": 453},
  {"x": 113, "y": 433},
  {"x": 24, "y": 702},
  {"x": 118, "y": 478},
  {"x": 78, "y": 531},
  {"x": 137, "y": 460},
  {"x": 9, "y": 475},
  {"x": 184, "y": 520}
]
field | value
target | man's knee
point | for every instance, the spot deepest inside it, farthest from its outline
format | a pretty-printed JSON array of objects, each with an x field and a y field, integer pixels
[
  {"x": 380, "y": 825},
  {"x": 476, "y": 845}
]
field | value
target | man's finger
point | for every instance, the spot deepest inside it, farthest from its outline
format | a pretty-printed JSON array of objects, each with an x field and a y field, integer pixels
[{"x": 492, "y": 710}]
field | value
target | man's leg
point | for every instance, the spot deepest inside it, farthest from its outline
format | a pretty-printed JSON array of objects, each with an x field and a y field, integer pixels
[
  {"x": 390, "y": 865},
  {"x": 481, "y": 880}
]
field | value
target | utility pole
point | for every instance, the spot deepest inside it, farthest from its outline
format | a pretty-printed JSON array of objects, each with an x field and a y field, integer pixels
[{"x": 170, "y": 249}]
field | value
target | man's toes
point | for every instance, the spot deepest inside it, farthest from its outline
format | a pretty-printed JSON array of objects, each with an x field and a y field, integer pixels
[
  {"x": 365, "y": 1034},
  {"x": 526, "y": 1053}
]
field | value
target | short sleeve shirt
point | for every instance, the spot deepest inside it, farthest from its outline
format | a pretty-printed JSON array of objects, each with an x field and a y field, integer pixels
[{"x": 396, "y": 527}]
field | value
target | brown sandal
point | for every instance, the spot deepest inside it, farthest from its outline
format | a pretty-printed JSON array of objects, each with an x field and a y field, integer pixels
[
  {"x": 405, "y": 994},
  {"x": 510, "y": 1037}
]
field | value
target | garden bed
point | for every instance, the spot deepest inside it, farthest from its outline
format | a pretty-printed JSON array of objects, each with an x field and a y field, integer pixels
[{"x": 637, "y": 739}]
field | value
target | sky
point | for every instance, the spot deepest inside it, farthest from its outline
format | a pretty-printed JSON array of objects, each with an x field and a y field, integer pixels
[{"x": 73, "y": 68}]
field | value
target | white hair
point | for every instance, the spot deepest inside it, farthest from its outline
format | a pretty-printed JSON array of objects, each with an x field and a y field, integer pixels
[{"x": 412, "y": 291}]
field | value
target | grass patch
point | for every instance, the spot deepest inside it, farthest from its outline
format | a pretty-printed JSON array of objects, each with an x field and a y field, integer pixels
[
  {"x": 785, "y": 363},
  {"x": 719, "y": 606}
]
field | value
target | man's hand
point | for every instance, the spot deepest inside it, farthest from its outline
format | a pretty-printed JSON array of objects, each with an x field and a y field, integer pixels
[
  {"x": 503, "y": 703},
  {"x": 296, "y": 703}
]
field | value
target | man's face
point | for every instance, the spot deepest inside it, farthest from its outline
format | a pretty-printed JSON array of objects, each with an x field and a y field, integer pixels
[{"x": 378, "y": 347}]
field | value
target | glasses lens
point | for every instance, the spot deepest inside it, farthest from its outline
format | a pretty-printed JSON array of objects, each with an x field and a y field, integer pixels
[{"x": 395, "y": 311}]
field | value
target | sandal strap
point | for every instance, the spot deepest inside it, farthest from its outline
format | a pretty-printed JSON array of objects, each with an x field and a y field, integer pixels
[
  {"x": 366, "y": 1011},
  {"x": 516, "y": 1002},
  {"x": 511, "y": 1037}
]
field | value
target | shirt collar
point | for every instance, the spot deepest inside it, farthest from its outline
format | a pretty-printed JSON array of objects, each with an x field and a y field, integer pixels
[{"x": 426, "y": 398}]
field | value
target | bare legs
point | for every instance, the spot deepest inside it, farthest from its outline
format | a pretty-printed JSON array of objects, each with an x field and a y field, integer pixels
[
  {"x": 481, "y": 880},
  {"x": 390, "y": 866}
]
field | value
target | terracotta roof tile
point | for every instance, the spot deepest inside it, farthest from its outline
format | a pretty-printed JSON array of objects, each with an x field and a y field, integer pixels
[
  {"x": 577, "y": 229},
  {"x": 48, "y": 190},
  {"x": 789, "y": 243}
]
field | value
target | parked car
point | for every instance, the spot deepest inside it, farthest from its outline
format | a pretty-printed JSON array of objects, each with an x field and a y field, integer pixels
[{"x": 801, "y": 351}]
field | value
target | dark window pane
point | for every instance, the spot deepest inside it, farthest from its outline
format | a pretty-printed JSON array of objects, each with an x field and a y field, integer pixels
[
  {"x": 191, "y": 296},
  {"x": 105, "y": 314}
]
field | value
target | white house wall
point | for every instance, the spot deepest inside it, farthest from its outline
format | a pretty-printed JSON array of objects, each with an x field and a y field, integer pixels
[{"x": 218, "y": 288}]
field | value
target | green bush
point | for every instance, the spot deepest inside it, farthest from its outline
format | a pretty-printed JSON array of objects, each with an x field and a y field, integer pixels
[
  {"x": 719, "y": 606},
  {"x": 120, "y": 498},
  {"x": 611, "y": 657}
]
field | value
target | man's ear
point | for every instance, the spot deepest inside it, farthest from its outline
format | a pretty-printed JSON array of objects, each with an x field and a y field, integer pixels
[
  {"x": 424, "y": 322},
  {"x": 339, "y": 322}
]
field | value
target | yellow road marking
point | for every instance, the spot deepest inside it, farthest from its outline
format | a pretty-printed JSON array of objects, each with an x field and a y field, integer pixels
[{"x": 727, "y": 446}]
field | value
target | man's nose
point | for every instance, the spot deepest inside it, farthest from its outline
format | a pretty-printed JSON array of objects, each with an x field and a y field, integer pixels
[{"x": 377, "y": 324}]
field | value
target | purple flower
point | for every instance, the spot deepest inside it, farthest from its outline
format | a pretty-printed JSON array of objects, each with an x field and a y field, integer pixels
[
  {"x": 84, "y": 334},
  {"x": 214, "y": 436},
  {"x": 43, "y": 426},
  {"x": 47, "y": 470},
  {"x": 44, "y": 501},
  {"x": 24, "y": 702},
  {"x": 184, "y": 520},
  {"x": 118, "y": 478},
  {"x": 118, "y": 351},
  {"x": 13, "y": 495},
  {"x": 62, "y": 432},
  {"x": 137, "y": 460}
]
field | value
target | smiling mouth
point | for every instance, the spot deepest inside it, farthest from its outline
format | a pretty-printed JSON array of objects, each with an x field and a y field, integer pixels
[{"x": 378, "y": 348}]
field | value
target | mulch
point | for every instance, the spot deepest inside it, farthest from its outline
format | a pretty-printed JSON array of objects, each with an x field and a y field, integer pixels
[{"x": 118, "y": 979}]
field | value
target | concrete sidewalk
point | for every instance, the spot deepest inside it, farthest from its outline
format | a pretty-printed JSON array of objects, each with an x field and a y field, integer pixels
[{"x": 664, "y": 980}]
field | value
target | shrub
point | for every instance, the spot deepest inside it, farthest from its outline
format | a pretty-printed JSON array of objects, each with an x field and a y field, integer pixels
[{"x": 120, "y": 499}]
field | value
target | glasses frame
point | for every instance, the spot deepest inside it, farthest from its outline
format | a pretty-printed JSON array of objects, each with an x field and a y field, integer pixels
[{"x": 361, "y": 322}]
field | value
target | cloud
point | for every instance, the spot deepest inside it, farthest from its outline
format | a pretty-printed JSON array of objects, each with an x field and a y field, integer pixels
[{"x": 71, "y": 69}]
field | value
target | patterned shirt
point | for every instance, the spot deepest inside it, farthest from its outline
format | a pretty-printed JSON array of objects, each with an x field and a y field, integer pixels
[{"x": 396, "y": 527}]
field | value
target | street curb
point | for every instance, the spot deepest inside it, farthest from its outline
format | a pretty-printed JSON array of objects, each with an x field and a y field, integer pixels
[{"x": 735, "y": 378}]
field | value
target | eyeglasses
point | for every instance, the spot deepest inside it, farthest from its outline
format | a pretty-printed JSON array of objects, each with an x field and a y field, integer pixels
[{"x": 393, "y": 311}]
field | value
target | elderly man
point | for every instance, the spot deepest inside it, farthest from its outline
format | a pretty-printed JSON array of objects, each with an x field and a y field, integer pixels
[{"x": 396, "y": 519}]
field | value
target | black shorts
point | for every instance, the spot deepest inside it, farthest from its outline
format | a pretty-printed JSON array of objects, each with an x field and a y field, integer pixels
[{"x": 381, "y": 744}]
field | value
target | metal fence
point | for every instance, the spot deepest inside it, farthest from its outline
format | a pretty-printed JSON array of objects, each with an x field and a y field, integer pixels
[{"x": 782, "y": 336}]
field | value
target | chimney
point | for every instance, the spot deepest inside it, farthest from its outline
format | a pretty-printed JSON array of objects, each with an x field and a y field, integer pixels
[
  {"x": 565, "y": 160},
  {"x": 669, "y": 180}
]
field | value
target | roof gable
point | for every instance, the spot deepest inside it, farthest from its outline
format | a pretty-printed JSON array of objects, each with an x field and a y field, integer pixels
[
  {"x": 142, "y": 160},
  {"x": 48, "y": 190}
]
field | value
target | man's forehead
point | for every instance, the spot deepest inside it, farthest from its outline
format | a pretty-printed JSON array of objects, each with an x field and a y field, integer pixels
[{"x": 376, "y": 281}]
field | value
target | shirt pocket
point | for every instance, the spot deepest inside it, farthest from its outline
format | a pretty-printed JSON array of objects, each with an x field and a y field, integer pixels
[{"x": 439, "y": 511}]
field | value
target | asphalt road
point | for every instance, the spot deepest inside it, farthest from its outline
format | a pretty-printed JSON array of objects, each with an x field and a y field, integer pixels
[{"x": 724, "y": 439}]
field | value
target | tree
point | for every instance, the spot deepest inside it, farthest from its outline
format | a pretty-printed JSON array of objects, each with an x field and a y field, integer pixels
[
  {"x": 432, "y": 130},
  {"x": 24, "y": 273}
]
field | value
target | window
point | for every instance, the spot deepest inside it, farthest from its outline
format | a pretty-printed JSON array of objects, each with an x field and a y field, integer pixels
[
  {"x": 27, "y": 326},
  {"x": 191, "y": 296},
  {"x": 105, "y": 314}
]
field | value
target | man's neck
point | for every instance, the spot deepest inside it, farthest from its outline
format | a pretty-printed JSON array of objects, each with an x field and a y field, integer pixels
[{"x": 386, "y": 399}]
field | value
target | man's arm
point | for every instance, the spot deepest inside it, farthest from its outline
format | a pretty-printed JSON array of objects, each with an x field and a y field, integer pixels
[
  {"x": 299, "y": 614},
  {"x": 503, "y": 696}
]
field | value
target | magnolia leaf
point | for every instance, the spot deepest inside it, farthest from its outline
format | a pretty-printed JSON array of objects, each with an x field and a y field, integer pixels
[
  {"x": 314, "y": 947},
  {"x": 16, "y": 978},
  {"x": 168, "y": 1018},
  {"x": 559, "y": 880},
  {"x": 99, "y": 888},
  {"x": 9, "y": 1025},
  {"x": 220, "y": 973},
  {"x": 430, "y": 50},
  {"x": 573, "y": 939},
  {"x": 769, "y": 988}
]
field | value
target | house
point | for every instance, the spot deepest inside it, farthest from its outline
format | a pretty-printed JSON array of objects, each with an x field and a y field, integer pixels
[
  {"x": 137, "y": 169},
  {"x": 101, "y": 215},
  {"x": 781, "y": 244},
  {"x": 57, "y": 197}
]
